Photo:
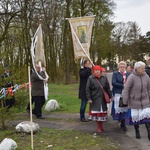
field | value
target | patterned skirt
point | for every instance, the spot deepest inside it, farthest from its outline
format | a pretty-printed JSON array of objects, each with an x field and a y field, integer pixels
[
  {"x": 98, "y": 115},
  {"x": 137, "y": 116},
  {"x": 118, "y": 113}
]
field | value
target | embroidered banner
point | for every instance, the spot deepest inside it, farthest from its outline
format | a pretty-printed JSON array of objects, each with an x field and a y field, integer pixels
[{"x": 81, "y": 28}]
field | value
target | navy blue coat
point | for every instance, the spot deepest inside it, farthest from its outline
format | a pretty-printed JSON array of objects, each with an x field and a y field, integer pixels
[
  {"x": 84, "y": 73},
  {"x": 147, "y": 70},
  {"x": 117, "y": 82}
]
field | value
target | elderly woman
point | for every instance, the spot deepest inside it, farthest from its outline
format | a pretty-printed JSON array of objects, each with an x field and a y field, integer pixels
[
  {"x": 94, "y": 93},
  {"x": 137, "y": 95},
  {"x": 118, "y": 81}
]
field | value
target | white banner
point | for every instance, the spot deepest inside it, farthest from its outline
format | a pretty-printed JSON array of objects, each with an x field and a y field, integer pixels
[
  {"x": 38, "y": 56},
  {"x": 81, "y": 28}
]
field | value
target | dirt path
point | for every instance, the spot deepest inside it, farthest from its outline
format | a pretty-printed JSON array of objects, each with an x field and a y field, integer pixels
[{"x": 112, "y": 130}]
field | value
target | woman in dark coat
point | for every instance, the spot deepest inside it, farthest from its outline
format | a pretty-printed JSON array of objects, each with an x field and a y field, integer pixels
[
  {"x": 118, "y": 80},
  {"x": 95, "y": 96}
]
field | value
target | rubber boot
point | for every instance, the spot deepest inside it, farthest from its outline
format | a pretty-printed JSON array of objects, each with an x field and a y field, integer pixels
[
  {"x": 102, "y": 126},
  {"x": 123, "y": 125},
  {"x": 99, "y": 126},
  {"x": 137, "y": 132},
  {"x": 148, "y": 129}
]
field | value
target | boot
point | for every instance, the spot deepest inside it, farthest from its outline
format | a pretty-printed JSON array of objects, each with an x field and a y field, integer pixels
[
  {"x": 102, "y": 126},
  {"x": 148, "y": 129},
  {"x": 123, "y": 125},
  {"x": 137, "y": 132},
  {"x": 99, "y": 126}
]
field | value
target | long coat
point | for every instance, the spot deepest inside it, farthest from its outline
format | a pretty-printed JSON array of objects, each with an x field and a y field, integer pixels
[
  {"x": 95, "y": 93},
  {"x": 137, "y": 91},
  {"x": 147, "y": 70},
  {"x": 117, "y": 82},
  {"x": 84, "y": 73},
  {"x": 37, "y": 84}
]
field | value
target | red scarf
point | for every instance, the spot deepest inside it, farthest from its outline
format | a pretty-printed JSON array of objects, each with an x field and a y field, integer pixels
[
  {"x": 124, "y": 77},
  {"x": 97, "y": 67}
]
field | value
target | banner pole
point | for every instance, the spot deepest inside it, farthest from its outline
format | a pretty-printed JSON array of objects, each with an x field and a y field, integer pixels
[{"x": 31, "y": 120}]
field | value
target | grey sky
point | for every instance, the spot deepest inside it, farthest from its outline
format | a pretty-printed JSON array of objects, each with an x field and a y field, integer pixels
[{"x": 134, "y": 10}]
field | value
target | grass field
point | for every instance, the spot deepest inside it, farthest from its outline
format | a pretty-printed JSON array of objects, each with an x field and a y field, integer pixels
[
  {"x": 50, "y": 139},
  {"x": 67, "y": 97}
]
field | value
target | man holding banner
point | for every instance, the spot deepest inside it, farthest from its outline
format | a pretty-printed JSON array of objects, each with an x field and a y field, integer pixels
[
  {"x": 37, "y": 91},
  {"x": 84, "y": 73},
  {"x": 81, "y": 29}
]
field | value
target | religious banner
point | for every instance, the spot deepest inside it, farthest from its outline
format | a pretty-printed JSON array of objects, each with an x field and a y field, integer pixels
[
  {"x": 39, "y": 48},
  {"x": 81, "y": 28}
]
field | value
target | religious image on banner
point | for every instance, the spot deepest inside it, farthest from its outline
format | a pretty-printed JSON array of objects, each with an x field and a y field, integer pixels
[
  {"x": 82, "y": 34},
  {"x": 81, "y": 29}
]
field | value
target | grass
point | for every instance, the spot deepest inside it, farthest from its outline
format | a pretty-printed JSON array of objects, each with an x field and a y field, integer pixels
[
  {"x": 67, "y": 97},
  {"x": 61, "y": 140},
  {"x": 46, "y": 138}
]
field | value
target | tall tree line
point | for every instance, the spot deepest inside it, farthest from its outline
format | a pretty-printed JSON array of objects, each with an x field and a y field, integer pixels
[{"x": 19, "y": 21}]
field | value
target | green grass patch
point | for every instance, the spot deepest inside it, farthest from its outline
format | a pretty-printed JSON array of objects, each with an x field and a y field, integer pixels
[
  {"x": 67, "y": 97},
  {"x": 60, "y": 140}
]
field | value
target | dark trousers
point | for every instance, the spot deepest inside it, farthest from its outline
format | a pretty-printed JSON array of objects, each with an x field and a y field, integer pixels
[
  {"x": 9, "y": 102},
  {"x": 28, "y": 106},
  {"x": 82, "y": 108},
  {"x": 39, "y": 102}
]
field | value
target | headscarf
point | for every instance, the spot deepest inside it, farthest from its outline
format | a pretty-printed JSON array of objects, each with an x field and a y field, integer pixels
[
  {"x": 103, "y": 69},
  {"x": 97, "y": 67}
]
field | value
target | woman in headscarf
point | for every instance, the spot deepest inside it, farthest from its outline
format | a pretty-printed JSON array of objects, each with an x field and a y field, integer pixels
[
  {"x": 137, "y": 95},
  {"x": 95, "y": 96},
  {"x": 119, "y": 79}
]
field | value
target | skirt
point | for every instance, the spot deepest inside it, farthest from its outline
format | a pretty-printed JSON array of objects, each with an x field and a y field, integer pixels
[
  {"x": 98, "y": 115},
  {"x": 137, "y": 116},
  {"x": 118, "y": 113}
]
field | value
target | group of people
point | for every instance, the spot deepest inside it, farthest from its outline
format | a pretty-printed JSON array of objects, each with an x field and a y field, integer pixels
[
  {"x": 133, "y": 86},
  {"x": 37, "y": 89},
  {"x": 92, "y": 84}
]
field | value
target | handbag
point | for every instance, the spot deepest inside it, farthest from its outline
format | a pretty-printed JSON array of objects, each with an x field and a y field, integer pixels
[
  {"x": 106, "y": 96},
  {"x": 121, "y": 102}
]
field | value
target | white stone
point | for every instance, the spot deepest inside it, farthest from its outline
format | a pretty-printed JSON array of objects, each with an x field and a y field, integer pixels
[
  {"x": 51, "y": 105},
  {"x": 25, "y": 127},
  {"x": 8, "y": 144}
]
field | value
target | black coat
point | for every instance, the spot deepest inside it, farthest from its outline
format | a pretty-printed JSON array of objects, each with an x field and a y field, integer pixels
[
  {"x": 147, "y": 70},
  {"x": 95, "y": 93},
  {"x": 37, "y": 84},
  {"x": 84, "y": 73}
]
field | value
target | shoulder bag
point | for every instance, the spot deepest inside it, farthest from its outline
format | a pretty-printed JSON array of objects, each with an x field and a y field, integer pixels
[
  {"x": 106, "y": 96},
  {"x": 121, "y": 102}
]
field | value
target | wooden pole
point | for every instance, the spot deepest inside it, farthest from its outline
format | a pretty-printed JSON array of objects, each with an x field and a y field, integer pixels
[{"x": 31, "y": 120}]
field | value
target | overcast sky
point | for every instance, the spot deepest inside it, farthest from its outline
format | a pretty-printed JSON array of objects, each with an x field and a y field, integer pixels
[{"x": 134, "y": 10}]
